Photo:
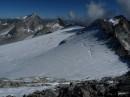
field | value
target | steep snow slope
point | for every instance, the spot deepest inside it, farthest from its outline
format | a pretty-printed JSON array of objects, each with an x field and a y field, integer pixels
[
  {"x": 6, "y": 31},
  {"x": 33, "y": 47},
  {"x": 81, "y": 56}
]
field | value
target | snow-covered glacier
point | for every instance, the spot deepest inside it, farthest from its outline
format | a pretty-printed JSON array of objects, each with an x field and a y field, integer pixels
[{"x": 80, "y": 56}]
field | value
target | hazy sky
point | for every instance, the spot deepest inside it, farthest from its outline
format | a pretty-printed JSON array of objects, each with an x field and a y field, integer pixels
[{"x": 52, "y": 8}]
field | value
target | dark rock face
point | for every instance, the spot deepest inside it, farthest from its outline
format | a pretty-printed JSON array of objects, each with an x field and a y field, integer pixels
[
  {"x": 120, "y": 31},
  {"x": 61, "y": 22},
  {"x": 119, "y": 36}
]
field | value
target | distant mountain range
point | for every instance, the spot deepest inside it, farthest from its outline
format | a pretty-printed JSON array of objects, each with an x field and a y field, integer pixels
[{"x": 12, "y": 30}]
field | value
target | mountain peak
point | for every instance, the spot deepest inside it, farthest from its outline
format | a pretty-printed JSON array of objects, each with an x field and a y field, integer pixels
[{"x": 34, "y": 14}]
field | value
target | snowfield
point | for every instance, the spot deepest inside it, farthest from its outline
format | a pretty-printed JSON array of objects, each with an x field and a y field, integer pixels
[
  {"x": 19, "y": 92},
  {"x": 81, "y": 56}
]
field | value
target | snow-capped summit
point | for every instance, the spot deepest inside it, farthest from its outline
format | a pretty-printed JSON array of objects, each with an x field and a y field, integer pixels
[
  {"x": 33, "y": 20},
  {"x": 24, "y": 17},
  {"x": 114, "y": 21}
]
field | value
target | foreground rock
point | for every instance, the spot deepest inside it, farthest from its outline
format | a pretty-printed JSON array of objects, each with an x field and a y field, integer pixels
[{"x": 106, "y": 87}]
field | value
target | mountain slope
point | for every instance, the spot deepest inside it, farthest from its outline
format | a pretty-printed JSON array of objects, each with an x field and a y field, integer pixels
[{"x": 79, "y": 57}]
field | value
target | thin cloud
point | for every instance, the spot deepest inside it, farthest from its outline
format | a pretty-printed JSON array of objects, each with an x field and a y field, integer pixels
[
  {"x": 125, "y": 6},
  {"x": 95, "y": 10},
  {"x": 72, "y": 15}
]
